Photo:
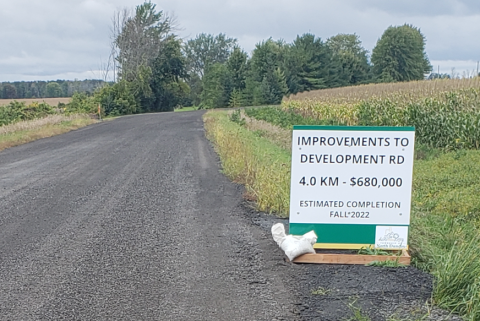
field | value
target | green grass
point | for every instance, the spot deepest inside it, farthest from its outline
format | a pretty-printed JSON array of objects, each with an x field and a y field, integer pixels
[
  {"x": 372, "y": 251},
  {"x": 391, "y": 264},
  {"x": 276, "y": 116},
  {"x": 185, "y": 109},
  {"x": 445, "y": 228},
  {"x": 357, "y": 313}
]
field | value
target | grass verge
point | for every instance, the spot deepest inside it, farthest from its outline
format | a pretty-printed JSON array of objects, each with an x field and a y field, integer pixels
[
  {"x": 185, "y": 109},
  {"x": 445, "y": 221},
  {"x": 27, "y": 131},
  {"x": 254, "y": 161}
]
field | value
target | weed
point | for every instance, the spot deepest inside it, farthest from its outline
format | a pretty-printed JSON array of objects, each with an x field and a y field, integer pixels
[
  {"x": 321, "y": 291},
  {"x": 392, "y": 264},
  {"x": 457, "y": 285},
  {"x": 426, "y": 153},
  {"x": 358, "y": 314},
  {"x": 236, "y": 117},
  {"x": 278, "y": 117},
  {"x": 278, "y": 136},
  {"x": 18, "y": 111},
  {"x": 372, "y": 251}
]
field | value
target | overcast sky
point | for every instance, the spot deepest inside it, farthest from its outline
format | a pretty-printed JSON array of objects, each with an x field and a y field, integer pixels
[{"x": 68, "y": 39}]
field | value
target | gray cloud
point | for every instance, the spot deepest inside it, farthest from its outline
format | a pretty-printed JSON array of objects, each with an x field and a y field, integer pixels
[
  {"x": 55, "y": 38},
  {"x": 423, "y": 8}
]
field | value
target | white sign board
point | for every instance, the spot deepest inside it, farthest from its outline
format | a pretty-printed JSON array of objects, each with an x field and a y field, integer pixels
[{"x": 343, "y": 177}]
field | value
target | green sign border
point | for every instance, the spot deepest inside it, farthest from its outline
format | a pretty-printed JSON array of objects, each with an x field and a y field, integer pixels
[
  {"x": 343, "y": 233},
  {"x": 339, "y": 233},
  {"x": 356, "y": 128}
]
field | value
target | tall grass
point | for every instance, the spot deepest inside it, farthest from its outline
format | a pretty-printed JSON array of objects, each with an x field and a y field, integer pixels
[
  {"x": 249, "y": 159},
  {"x": 41, "y": 122},
  {"x": 29, "y": 130},
  {"x": 445, "y": 228}
]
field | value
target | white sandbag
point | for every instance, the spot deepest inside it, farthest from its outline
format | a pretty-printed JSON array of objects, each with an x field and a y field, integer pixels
[
  {"x": 311, "y": 236},
  {"x": 293, "y": 245},
  {"x": 278, "y": 233}
]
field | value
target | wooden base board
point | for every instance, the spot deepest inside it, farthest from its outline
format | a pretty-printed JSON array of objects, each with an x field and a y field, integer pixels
[{"x": 320, "y": 258}]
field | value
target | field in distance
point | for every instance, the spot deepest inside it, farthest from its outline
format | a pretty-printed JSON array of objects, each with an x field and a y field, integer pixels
[{"x": 49, "y": 101}]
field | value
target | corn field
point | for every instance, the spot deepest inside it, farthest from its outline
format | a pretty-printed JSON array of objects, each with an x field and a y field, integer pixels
[{"x": 445, "y": 113}]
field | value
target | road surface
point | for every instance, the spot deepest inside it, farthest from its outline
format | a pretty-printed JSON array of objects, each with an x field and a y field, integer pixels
[{"x": 131, "y": 219}]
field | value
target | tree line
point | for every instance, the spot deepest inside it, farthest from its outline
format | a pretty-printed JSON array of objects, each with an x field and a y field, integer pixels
[
  {"x": 47, "y": 89},
  {"x": 276, "y": 68},
  {"x": 155, "y": 70}
]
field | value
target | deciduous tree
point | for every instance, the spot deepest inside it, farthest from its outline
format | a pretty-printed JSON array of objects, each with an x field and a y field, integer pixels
[
  {"x": 399, "y": 55},
  {"x": 9, "y": 91},
  {"x": 141, "y": 38},
  {"x": 54, "y": 90},
  {"x": 169, "y": 73},
  {"x": 206, "y": 50}
]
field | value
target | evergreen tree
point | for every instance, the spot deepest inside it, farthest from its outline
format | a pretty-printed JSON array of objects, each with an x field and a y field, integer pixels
[
  {"x": 265, "y": 82},
  {"x": 237, "y": 67},
  {"x": 273, "y": 88},
  {"x": 217, "y": 86},
  {"x": 266, "y": 58},
  {"x": 309, "y": 65},
  {"x": 348, "y": 52}
]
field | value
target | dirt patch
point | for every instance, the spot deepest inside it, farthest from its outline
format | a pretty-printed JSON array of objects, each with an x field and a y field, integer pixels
[{"x": 335, "y": 292}]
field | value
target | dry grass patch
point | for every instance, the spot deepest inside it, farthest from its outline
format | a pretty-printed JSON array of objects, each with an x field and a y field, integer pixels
[
  {"x": 38, "y": 123},
  {"x": 251, "y": 160},
  {"x": 49, "y": 101},
  {"x": 30, "y": 130}
]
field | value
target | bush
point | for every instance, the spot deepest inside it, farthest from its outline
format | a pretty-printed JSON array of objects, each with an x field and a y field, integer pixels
[
  {"x": 81, "y": 103},
  {"x": 116, "y": 100},
  {"x": 17, "y": 111}
]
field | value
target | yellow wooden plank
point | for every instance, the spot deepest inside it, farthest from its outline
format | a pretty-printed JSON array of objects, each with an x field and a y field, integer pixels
[
  {"x": 319, "y": 258},
  {"x": 338, "y": 246}
]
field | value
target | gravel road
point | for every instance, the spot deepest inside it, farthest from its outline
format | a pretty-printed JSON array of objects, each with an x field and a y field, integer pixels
[{"x": 131, "y": 219}]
